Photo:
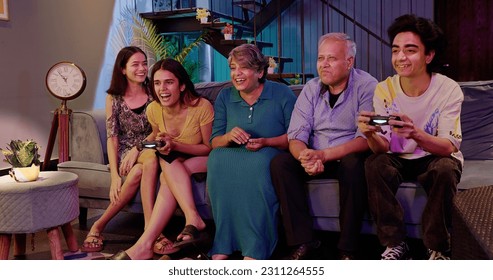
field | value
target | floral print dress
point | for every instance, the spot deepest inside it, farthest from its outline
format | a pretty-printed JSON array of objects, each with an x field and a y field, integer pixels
[{"x": 130, "y": 126}]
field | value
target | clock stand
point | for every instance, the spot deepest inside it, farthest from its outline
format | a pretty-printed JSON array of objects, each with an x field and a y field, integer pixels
[
  {"x": 65, "y": 81},
  {"x": 60, "y": 125}
]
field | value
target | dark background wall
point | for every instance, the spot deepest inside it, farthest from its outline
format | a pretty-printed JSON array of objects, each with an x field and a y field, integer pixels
[{"x": 468, "y": 25}]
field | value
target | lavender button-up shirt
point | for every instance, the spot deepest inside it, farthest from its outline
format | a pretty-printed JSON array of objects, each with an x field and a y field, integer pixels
[{"x": 318, "y": 125}]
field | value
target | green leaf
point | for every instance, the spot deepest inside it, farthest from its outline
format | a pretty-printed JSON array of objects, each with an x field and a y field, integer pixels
[
  {"x": 135, "y": 30},
  {"x": 22, "y": 153},
  {"x": 186, "y": 50}
]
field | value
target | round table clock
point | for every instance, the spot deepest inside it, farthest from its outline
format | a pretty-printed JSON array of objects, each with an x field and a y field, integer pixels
[{"x": 65, "y": 80}]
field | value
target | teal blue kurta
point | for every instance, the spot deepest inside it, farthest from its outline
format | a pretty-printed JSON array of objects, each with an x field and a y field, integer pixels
[{"x": 244, "y": 202}]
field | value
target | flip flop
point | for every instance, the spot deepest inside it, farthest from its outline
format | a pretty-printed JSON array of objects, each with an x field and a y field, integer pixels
[
  {"x": 163, "y": 246},
  {"x": 95, "y": 244},
  {"x": 196, "y": 236},
  {"x": 120, "y": 256}
]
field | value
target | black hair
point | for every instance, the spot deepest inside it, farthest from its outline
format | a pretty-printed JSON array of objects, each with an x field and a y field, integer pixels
[
  {"x": 431, "y": 36},
  {"x": 119, "y": 82},
  {"x": 189, "y": 97}
]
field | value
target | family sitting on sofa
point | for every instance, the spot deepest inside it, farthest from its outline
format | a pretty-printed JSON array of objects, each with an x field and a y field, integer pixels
[{"x": 259, "y": 144}]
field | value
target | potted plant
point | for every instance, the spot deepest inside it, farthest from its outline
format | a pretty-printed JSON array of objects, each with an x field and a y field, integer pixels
[
  {"x": 23, "y": 156},
  {"x": 228, "y": 31},
  {"x": 202, "y": 15},
  {"x": 272, "y": 65},
  {"x": 296, "y": 80}
]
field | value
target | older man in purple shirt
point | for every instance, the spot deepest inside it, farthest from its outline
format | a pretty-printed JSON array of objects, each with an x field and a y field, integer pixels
[{"x": 324, "y": 142}]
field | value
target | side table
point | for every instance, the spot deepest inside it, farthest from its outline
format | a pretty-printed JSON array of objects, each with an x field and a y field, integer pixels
[
  {"x": 472, "y": 224},
  {"x": 50, "y": 202}
]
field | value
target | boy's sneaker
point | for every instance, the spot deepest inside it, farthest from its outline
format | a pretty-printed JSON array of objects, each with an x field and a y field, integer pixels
[
  {"x": 398, "y": 252},
  {"x": 435, "y": 255}
]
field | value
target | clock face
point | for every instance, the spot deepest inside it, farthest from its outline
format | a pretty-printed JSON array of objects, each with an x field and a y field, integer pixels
[{"x": 65, "y": 80}]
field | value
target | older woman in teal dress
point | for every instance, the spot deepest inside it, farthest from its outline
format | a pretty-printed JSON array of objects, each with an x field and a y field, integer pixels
[{"x": 249, "y": 129}]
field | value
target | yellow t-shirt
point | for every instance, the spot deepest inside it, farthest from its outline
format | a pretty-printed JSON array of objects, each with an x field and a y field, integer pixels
[{"x": 197, "y": 116}]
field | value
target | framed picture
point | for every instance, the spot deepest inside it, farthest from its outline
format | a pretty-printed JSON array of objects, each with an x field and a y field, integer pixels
[{"x": 4, "y": 10}]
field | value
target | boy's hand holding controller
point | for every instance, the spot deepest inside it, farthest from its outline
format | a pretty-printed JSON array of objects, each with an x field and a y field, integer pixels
[{"x": 384, "y": 120}]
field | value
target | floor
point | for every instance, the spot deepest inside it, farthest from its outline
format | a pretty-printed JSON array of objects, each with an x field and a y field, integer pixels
[{"x": 125, "y": 229}]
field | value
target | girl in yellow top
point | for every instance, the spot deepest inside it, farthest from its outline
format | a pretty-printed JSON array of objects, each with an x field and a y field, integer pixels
[{"x": 183, "y": 120}]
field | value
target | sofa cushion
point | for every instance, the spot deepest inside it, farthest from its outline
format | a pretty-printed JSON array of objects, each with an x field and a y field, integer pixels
[
  {"x": 477, "y": 120},
  {"x": 323, "y": 203},
  {"x": 94, "y": 178},
  {"x": 476, "y": 173},
  {"x": 88, "y": 136},
  {"x": 210, "y": 90},
  {"x": 324, "y": 197}
]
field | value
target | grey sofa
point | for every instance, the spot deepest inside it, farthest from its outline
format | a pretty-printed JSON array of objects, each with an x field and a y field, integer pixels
[{"x": 89, "y": 161}]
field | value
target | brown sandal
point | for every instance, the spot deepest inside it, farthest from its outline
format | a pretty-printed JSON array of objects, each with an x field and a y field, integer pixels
[
  {"x": 93, "y": 242},
  {"x": 164, "y": 246},
  {"x": 195, "y": 236}
]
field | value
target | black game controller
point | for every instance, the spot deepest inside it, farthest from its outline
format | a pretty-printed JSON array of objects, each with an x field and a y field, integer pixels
[
  {"x": 383, "y": 120},
  {"x": 151, "y": 144}
]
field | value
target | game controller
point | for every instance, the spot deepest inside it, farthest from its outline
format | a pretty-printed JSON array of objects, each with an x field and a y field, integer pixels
[
  {"x": 151, "y": 144},
  {"x": 383, "y": 120}
]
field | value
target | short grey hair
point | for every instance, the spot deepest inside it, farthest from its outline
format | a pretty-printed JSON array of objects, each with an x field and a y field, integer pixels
[
  {"x": 249, "y": 55},
  {"x": 338, "y": 36}
]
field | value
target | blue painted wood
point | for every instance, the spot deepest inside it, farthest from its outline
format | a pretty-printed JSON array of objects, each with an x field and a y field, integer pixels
[
  {"x": 318, "y": 18},
  {"x": 376, "y": 15}
]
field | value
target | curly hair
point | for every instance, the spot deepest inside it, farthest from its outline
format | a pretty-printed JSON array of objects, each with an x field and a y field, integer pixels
[{"x": 431, "y": 36}]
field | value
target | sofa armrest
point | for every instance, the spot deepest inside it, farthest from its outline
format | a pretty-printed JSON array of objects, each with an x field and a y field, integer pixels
[{"x": 94, "y": 178}]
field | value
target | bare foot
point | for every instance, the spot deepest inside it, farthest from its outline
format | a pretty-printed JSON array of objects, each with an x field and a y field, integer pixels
[
  {"x": 220, "y": 257},
  {"x": 139, "y": 253}
]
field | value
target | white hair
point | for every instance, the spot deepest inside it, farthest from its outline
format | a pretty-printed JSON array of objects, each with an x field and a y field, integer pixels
[{"x": 338, "y": 36}]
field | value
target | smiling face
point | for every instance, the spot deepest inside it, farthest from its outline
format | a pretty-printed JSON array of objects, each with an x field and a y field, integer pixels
[
  {"x": 167, "y": 88},
  {"x": 136, "y": 68},
  {"x": 408, "y": 55},
  {"x": 245, "y": 79},
  {"x": 333, "y": 63}
]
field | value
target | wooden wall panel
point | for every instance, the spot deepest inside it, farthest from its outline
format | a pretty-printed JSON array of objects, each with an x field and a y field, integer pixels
[{"x": 470, "y": 38}]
